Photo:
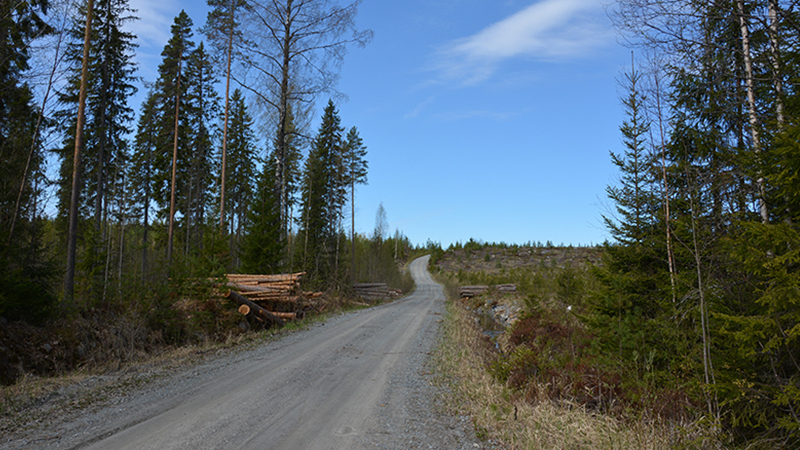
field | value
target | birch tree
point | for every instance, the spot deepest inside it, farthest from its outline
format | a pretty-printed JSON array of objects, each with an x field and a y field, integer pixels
[{"x": 294, "y": 51}]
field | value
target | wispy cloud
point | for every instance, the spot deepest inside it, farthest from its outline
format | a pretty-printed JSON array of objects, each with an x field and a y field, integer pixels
[
  {"x": 499, "y": 116},
  {"x": 155, "y": 20},
  {"x": 419, "y": 108},
  {"x": 547, "y": 29}
]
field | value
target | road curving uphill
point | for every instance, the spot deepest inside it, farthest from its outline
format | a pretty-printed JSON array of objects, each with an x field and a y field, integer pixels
[{"x": 359, "y": 380}]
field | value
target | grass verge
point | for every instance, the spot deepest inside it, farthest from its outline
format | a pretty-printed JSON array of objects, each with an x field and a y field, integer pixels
[{"x": 504, "y": 416}]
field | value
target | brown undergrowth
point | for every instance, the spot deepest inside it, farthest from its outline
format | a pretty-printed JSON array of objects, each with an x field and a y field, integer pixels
[
  {"x": 531, "y": 417},
  {"x": 543, "y": 382}
]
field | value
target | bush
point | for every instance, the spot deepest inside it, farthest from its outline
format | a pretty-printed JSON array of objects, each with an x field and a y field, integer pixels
[{"x": 26, "y": 294}]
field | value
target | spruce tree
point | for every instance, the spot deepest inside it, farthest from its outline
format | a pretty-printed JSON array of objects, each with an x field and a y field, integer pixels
[
  {"x": 142, "y": 174},
  {"x": 630, "y": 304},
  {"x": 241, "y": 173},
  {"x": 320, "y": 198},
  {"x": 262, "y": 249},
  {"x": 27, "y": 289},
  {"x": 195, "y": 164}
]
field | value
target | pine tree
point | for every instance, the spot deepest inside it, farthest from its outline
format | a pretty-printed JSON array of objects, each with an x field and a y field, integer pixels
[
  {"x": 222, "y": 31},
  {"x": 173, "y": 129},
  {"x": 111, "y": 75},
  {"x": 356, "y": 166}
]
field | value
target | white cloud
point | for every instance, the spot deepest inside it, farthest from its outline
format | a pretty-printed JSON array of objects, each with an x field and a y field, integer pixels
[
  {"x": 155, "y": 19},
  {"x": 548, "y": 29}
]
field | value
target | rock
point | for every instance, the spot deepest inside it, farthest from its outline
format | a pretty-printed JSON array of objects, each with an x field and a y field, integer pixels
[{"x": 47, "y": 347}]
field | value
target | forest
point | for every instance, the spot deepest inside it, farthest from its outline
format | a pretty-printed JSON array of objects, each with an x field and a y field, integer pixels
[
  {"x": 116, "y": 210},
  {"x": 217, "y": 171},
  {"x": 700, "y": 287}
]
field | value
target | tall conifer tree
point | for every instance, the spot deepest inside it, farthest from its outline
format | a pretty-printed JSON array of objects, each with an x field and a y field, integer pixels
[
  {"x": 241, "y": 173},
  {"x": 26, "y": 281},
  {"x": 173, "y": 129},
  {"x": 196, "y": 164},
  {"x": 108, "y": 117},
  {"x": 320, "y": 197}
]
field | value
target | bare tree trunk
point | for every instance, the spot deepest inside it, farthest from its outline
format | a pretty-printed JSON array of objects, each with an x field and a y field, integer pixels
[
  {"x": 100, "y": 178},
  {"x": 123, "y": 219},
  {"x": 107, "y": 268},
  {"x": 188, "y": 216},
  {"x": 174, "y": 163},
  {"x": 35, "y": 139},
  {"x": 225, "y": 124},
  {"x": 280, "y": 150},
  {"x": 72, "y": 233},
  {"x": 668, "y": 226},
  {"x": 708, "y": 367},
  {"x": 751, "y": 102},
  {"x": 777, "y": 81},
  {"x": 146, "y": 213},
  {"x": 353, "y": 226},
  {"x": 777, "y": 78}
]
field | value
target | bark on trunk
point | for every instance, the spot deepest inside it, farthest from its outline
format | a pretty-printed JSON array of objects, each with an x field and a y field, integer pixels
[
  {"x": 260, "y": 312},
  {"x": 174, "y": 162},
  {"x": 777, "y": 78},
  {"x": 72, "y": 234},
  {"x": 752, "y": 112},
  {"x": 225, "y": 124},
  {"x": 280, "y": 153}
]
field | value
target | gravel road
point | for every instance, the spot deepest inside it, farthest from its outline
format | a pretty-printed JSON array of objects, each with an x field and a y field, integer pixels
[{"x": 358, "y": 381}]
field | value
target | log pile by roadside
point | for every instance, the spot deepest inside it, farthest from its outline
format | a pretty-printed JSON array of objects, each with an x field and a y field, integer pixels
[
  {"x": 504, "y": 288},
  {"x": 375, "y": 291},
  {"x": 272, "y": 299},
  {"x": 474, "y": 291}
]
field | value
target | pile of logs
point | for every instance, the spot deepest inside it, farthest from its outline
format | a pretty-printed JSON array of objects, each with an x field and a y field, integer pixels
[
  {"x": 504, "y": 288},
  {"x": 270, "y": 298},
  {"x": 375, "y": 291},
  {"x": 474, "y": 291}
]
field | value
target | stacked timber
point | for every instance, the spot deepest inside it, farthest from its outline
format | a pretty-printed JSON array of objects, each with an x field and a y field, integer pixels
[
  {"x": 270, "y": 298},
  {"x": 472, "y": 291},
  {"x": 266, "y": 286},
  {"x": 506, "y": 288},
  {"x": 372, "y": 291}
]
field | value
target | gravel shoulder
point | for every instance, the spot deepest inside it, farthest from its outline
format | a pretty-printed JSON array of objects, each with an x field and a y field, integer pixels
[{"x": 359, "y": 380}]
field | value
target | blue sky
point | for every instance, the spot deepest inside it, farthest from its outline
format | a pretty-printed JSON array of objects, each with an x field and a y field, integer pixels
[{"x": 484, "y": 119}]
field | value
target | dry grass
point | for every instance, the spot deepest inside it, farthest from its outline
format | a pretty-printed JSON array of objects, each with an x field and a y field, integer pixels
[{"x": 503, "y": 416}]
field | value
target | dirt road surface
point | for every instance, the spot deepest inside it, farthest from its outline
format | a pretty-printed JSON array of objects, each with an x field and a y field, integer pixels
[{"x": 358, "y": 381}]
